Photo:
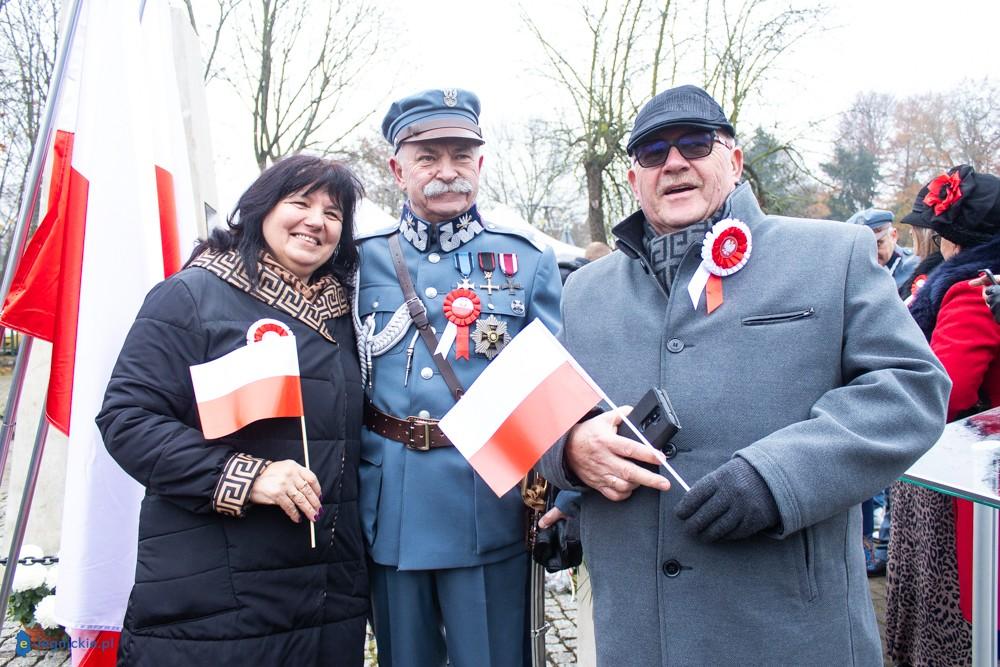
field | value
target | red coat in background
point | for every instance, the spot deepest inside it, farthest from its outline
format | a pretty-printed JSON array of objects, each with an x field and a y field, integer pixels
[{"x": 966, "y": 339}]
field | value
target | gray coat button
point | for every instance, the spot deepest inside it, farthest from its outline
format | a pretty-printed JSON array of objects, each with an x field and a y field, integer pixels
[
  {"x": 430, "y": 292},
  {"x": 670, "y": 451},
  {"x": 671, "y": 568},
  {"x": 433, "y": 258},
  {"x": 424, "y": 414},
  {"x": 675, "y": 345},
  {"x": 426, "y": 373}
]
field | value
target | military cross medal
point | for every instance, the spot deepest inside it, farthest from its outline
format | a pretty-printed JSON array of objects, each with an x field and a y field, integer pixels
[
  {"x": 463, "y": 264},
  {"x": 491, "y": 336},
  {"x": 508, "y": 264},
  {"x": 488, "y": 263}
]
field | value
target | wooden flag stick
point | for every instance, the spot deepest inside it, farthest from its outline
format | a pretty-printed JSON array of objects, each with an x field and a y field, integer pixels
[{"x": 305, "y": 453}]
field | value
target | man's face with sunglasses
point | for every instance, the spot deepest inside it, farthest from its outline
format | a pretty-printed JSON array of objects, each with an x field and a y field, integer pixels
[{"x": 682, "y": 175}]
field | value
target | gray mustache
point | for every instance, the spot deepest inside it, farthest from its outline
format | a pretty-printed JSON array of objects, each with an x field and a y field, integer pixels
[{"x": 438, "y": 187}]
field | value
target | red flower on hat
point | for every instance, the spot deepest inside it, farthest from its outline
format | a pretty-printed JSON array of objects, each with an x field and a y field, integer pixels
[{"x": 944, "y": 191}]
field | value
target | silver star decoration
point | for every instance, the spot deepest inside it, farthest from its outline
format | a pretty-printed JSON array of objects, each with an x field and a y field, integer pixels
[{"x": 491, "y": 336}]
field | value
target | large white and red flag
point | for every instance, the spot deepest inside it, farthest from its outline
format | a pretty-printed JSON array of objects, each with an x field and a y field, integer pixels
[
  {"x": 116, "y": 224},
  {"x": 545, "y": 392},
  {"x": 257, "y": 381}
]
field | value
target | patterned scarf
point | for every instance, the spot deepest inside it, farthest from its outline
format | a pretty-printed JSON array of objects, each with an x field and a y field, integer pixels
[
  {"x": 665, "y": 252},
  {"x": 313, "y": 305}
]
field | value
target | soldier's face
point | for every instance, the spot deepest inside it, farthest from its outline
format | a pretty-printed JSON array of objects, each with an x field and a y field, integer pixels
[
  {"x": 440, "y": 177},
  {"x": 681, "y": 192},
  {"x": 886, "y": 246}
]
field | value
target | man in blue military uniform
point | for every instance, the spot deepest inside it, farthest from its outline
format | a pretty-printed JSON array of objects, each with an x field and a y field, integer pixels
[
  {"x": 898, "y": 261},
  {"x": 449, "y": 571}
]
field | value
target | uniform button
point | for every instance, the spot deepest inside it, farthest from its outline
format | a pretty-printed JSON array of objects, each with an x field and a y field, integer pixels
[
  {"x": 675, "y": 345},
  {"x": 433, "y": 258},
  {"x": 424, "y": 414},
  {"x": 431, "y": 292},
  {"x": 671, "y": 568},
  {"x": 670, "y": 451},
  {"x": 426, "y": 373},
  {"x": 374, "y": 304}
]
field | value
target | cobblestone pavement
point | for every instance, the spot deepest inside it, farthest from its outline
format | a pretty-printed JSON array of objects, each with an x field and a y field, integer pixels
[{"x": 35, "y": 658}]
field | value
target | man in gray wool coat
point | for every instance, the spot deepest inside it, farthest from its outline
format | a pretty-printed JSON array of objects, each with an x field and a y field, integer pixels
[{"x": 783, "y": 347}]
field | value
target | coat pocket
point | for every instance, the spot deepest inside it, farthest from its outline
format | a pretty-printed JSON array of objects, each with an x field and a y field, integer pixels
[
  {"x": 182, "y": 576},
  {"x": 778, "y": 318},
  {"x": 806, "y": 567},
  {"x": 369, "y": 487}
]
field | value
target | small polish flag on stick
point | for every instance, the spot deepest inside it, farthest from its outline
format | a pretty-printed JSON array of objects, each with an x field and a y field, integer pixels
[
  {"x": 545, "y": 392},
  {"x": 259, "y": 381}
]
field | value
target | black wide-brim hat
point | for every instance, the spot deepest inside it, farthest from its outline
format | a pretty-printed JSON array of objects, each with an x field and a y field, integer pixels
[{"x": 960, "y": 205}]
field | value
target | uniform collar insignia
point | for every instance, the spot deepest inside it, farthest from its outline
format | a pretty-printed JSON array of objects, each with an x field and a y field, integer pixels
[{"x": 450, "y": 234}]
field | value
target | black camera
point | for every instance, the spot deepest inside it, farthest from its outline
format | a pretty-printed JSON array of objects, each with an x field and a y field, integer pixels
[{"x": 654, "y": 417}]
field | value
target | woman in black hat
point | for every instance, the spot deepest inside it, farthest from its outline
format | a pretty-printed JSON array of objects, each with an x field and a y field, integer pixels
[{"x": 929, "y": 574}]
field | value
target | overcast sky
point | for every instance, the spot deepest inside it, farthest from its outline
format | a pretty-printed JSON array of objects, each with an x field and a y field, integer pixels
[{"x": 895, "y": 46}]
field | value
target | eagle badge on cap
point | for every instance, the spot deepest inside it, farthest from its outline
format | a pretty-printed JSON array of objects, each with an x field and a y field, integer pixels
[{"x": 450, "y": 97}]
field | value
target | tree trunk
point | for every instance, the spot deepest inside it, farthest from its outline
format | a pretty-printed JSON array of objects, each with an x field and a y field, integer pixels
[{"x": 595, "y": 202}]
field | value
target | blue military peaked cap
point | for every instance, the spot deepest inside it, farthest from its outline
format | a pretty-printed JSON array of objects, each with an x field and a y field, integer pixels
[
  {"x": 433, "y": 114},
  {"x": 874, "y": 218}
]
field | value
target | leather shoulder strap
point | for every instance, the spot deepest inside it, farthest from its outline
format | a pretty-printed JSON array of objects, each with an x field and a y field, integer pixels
[{"x": 418, "y": 313}]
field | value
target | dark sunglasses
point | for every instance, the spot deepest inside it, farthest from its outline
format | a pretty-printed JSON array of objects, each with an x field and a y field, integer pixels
[{"x": 691, "y": 146}]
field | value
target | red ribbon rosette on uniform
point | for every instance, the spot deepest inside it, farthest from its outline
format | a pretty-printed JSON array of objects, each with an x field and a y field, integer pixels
[
  {"x": 461, "y": 308},
  {"x": 725, "y": 251}
]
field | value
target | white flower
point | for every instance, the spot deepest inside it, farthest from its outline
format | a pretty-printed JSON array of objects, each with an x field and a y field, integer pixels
[
  {"x": 52, "y": 576},
  {"x": 45, "y": 613},
  {"x": 27, "y": 577}
]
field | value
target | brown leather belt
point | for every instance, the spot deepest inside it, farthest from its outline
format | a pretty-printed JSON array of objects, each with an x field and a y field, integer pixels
[{"x": 414, "y": 433}]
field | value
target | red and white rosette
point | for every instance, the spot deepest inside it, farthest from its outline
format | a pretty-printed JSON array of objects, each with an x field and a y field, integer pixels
[
  {"x": 461, "y": 308},
  {"x": 265, "y": 328},
  {"x": 725, "y": 251}
]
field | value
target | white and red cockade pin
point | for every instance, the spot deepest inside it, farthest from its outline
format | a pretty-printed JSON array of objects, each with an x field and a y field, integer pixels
[
  {"x": 725, "y": 251},
  {"x": 461, "y": 308},
  {"x": 266, "y": 327}
]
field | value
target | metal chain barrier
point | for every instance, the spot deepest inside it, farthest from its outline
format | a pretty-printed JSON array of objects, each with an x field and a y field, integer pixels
[{"x": 31, "y": 560}]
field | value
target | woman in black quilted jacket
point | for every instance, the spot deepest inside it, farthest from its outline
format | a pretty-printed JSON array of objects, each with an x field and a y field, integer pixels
[{"x": 225, "y": 574}]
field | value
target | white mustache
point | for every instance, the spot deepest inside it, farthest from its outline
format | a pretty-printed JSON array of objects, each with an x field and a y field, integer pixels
[{"x": 437, "y": 187}]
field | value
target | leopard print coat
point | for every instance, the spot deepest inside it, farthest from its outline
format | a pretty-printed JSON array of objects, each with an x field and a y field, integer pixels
[{"x": 924, "y": 624}]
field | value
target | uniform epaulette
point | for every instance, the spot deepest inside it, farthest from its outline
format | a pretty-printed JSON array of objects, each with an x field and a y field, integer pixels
[
  {"x": 528, "y": 235},
  {"x": 381, "y": 231}
]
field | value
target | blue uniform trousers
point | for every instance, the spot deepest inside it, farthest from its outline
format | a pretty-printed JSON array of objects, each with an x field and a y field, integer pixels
[{"x": 474, "y": 616}]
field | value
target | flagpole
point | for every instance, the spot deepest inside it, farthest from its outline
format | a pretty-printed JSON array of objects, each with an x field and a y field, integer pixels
[
  {"x": 21, "y": 525},
  {"x": 39, "y": 152},
  {"x": 305, "y": 452},
  {"x": 17, "y": 244}
]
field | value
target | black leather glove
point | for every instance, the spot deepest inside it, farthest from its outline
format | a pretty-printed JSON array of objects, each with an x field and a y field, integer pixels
[
  {"x": 993, "y": 300},
  {"x": 732, "y": 502}
]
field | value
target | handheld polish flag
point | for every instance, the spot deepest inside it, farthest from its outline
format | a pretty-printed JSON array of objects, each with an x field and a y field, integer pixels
[
  {"x": 258, "y": 381},
  {"x": 545, "y": 394}
]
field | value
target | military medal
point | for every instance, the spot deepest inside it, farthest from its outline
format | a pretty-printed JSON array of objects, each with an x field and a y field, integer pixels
[
  {"x": 463, "y": 264},
  {"x": 461, "y": 308},
  {"x": 725, "y": 250},
  {"x": 491, "y": 336},
  {"x": 488, "y": 264},
  {"x": 508, "y": 265}
]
